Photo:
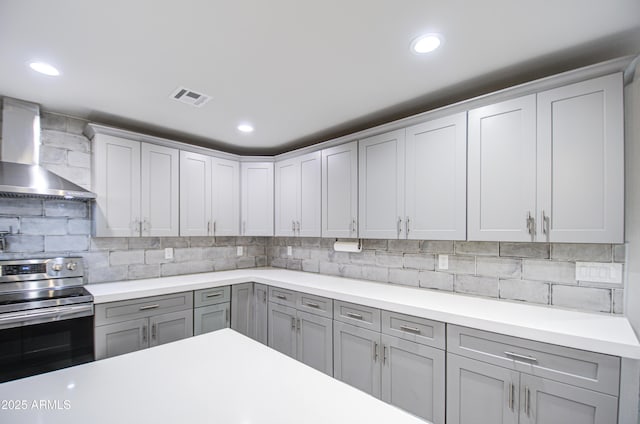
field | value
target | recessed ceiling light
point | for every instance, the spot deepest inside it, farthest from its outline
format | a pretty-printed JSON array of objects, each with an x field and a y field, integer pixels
[
  {"x": 426, "y": 43},
  {"x": 245, "y": 128},
  {"x": 44, "y": 68}
]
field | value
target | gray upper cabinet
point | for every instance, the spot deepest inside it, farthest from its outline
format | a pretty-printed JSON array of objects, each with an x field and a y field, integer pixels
[
  {"x": 436, "y": 179},
  {"x": 225, "y": 197},
  {"x": 340, "y": 191},
  {"x": 381, "y": 185},
  {"x": 581, "y": 162},
  {"x": 137, "y": 188},
  {"x": 298, "y": 197},
  {"x": 256, "y": 192},
  {"x": 558, "y": 157},
  {"x": 357, "y": 357}
]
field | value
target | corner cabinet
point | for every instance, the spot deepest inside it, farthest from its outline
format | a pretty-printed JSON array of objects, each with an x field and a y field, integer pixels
[
  {"x": 558, "y": 156},
  {"x": 297, "y": 196},
  {"x": 209, "y": 195},
  {"x": 249, "y": 310},
  {"x": 256, "y": 180},
  {"x": 137, "y": 188},
  {"x": 340, "y": 191},
  {"x": 412, "y": 182}
]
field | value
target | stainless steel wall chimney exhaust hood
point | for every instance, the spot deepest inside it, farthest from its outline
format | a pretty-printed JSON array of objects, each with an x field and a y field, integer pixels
[{"x": 20, "y": 174}]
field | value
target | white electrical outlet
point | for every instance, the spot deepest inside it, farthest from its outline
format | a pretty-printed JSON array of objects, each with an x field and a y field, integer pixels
[
  {"x": 168, "y": 253},
  {"x": 289, "y": 250},
  {"x": 599, "y": 272},
  {"x": 239, "y": 251},
  {"x": 443, "y": 261}
]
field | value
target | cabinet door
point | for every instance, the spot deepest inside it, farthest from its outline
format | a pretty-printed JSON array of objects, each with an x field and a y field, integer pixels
[
  {"x": 282, "y": 329},
  {"x": 210, "y": 318},
  {"x": 581, "y": 162},
  {"x": 340, "y": 191},
  {"x": 381, "y": 186},
  {"x": 309, "y": 211},
  {"x": 159, "y": 190},
  {"x": 241, "y": 308},
  {"x": 170, "y": 327},
  {"x": 502, "y": 171},
  {"x": 260, "y": 312},
  {"x": 315, "y": 342},
  {"x": 257, "y": 198},
  {"x": 122, "y": 337},
  {"x": 195, "y": 194},
  {"x": 413, "y": 378},
  {"x": 116, "y": 182},
  {"x": 480, "y": 393},
  {"x": 549, "y": 402},
  {"x": 225, "y": 197},
  {"x": 436, "y": 179},
  {"x": 357, "y": 357},
  {"x": 287, "y": 182}
]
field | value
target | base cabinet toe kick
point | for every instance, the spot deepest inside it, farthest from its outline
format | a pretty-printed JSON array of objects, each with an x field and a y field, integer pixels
[{"x": 437, "y": 371}]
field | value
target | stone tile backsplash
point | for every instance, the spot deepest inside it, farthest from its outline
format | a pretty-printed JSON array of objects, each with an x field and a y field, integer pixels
[{"x": 540, "y": 273}]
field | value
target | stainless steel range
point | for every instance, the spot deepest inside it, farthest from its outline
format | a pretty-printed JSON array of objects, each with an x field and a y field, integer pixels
[{"x": 46, "y": 316}]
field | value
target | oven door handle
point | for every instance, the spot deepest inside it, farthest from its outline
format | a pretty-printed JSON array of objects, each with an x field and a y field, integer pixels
[{"x": 57, "y": 313}]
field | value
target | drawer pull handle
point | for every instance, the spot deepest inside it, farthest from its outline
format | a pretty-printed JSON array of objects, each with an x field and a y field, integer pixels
[
  {"x": 312, "y": 305},
  {"x": 410, "y": 329},
  {"x": 352, "y": 315},
  {"x": 146, "y": 308},
  {"x": 516, "y": 356},
  {"x": 213, "y": 295},
  {"x": 281, "y": 296}
]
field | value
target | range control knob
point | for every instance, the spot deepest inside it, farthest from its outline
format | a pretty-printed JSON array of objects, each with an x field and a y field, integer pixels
[
  {"x": 56, "y": 267},
  {"x": 71, "y": 266}
]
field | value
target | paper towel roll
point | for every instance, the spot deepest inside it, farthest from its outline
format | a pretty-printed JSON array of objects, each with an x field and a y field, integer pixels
[{"x": 347, "y": 246}]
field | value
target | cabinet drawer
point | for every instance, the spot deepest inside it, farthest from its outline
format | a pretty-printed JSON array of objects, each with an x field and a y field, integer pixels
[
  {"x": 362, "y": 316},
  {"x": 580, "y": 368},
  {"x": 108, "y": 313},
  {"x": 282, "y": 296},
  {"x": 213, "y": 296},
  {"x": 316, "y": 305},
  {"x": 419, "y": 330}
]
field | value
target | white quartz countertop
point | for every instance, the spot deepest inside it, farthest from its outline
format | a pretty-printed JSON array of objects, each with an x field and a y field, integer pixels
[
  {"x": 219, "y": 377},
  {"x": 589, "y": 331}
]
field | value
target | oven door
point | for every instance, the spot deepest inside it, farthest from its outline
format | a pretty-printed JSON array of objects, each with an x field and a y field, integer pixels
[{"x": 47, "y": 341}]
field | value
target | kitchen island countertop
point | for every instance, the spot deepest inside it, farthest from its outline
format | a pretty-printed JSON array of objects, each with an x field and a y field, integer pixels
[
  {"x": 603, "y": 333},
  {"x": 219, "y": 377}
]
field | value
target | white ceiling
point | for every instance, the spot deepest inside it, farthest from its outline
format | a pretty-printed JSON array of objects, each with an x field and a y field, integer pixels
[{"x": 300, "y": 71}]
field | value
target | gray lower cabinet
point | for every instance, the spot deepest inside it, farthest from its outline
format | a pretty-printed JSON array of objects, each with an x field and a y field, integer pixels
[
  {"x": 130, "y": 325},
  {"x": 301, "y": 335},
  {"x": 212, "y": 309},
  {"x": 210, "y": 318},
  {"x": 249, "y": 310},
  {"x": 356, "y": 359},
  {"x": 413, "y": 378}
]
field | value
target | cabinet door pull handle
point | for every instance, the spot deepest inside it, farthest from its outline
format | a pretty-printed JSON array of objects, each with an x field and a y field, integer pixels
[
  {"x": 214, "y": 228},
  {"x": 531, "y": 225},
  {"x": 264, "y": 296},
  {"x": 384, "y": 354},
  {"x": 410, "y": 329},
  {"x": 227, "y": 315},
  {"x": 153, "y": 331},
  {"x": 298, "y": 324},
  {"x": 516, "y": 356},
  {"x": 355, "y": 316},
  {"x": 293, "y": 323},
  {"x": 281, "y": 296},
  {"x": 144, "y": 333},
  {"x": 213, "y": 295},
  {"x": 375, "y": 351},
  {"x": 208, "y": 228},
  {"x": 293, "y": 227},
  {"x": 148, "y": 307},
  {"x": 312, "y": 305},
  {"x": 511, "y": 396},
  {"x": 399, "y": 226},
  {"x": 545, "y": 225},
  {"x": 527, "y": 401},
  {"x": 407, "y": 227},
  {"x": 298, "y": 227}
]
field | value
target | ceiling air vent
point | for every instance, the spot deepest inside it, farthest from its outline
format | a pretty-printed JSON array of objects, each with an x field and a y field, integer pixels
[{"x": 190, "y": 97}]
